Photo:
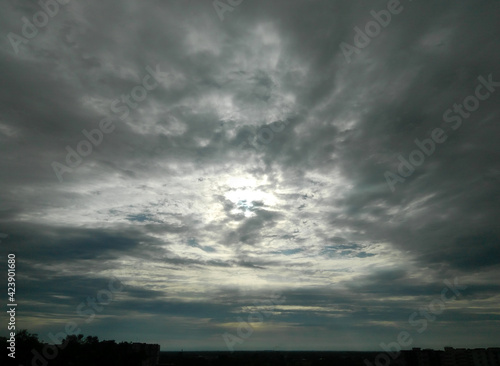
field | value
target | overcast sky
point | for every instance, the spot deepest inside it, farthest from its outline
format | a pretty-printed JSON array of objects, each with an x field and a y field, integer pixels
[{"x": 240, "y": 152}]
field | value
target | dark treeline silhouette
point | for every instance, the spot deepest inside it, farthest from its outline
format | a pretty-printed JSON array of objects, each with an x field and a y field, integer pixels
[{"x": 77, "y": 350}]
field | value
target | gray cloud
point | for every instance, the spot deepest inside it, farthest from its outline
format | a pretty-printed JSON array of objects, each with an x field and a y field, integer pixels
[{"x": 199, "y": 218}]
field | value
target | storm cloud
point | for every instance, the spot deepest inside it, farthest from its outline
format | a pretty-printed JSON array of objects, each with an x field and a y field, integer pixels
[{"x": 208, "y": 160}]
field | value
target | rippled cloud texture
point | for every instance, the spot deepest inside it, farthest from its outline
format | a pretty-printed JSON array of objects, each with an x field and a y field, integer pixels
[{"x": 210, "y": 163}]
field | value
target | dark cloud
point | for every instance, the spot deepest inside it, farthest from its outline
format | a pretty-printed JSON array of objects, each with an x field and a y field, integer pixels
[{"x": 257, "y": 164}]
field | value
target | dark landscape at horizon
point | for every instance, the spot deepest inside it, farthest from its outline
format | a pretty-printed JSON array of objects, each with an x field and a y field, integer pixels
[
  {"x": 250, "y": 182},
  {"x": 78, "y": 350}
]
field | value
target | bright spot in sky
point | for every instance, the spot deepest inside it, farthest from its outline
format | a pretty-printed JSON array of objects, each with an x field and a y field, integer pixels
[{"x": 243, "y": 192}]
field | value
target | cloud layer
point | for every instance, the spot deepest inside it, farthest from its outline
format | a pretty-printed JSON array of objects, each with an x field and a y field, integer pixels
[{"x": 255, "y": 166}]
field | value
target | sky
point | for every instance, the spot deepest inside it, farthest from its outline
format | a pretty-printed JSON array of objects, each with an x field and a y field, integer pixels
[{"x": 318, "y": 175}]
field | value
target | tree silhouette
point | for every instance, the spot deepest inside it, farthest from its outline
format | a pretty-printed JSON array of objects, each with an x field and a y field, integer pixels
[{"x": 75, "y": 350}]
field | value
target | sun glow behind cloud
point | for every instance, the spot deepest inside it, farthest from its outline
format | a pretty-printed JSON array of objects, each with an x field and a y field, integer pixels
[{"x": 198, "y": 228}]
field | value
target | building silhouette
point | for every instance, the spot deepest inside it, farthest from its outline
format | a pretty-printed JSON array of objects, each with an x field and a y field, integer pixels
[{"x": 451, "y": 357}]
